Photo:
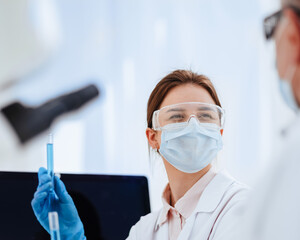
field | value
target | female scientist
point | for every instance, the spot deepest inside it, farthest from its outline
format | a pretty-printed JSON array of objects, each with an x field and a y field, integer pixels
[{"x": 185, "y": 126}]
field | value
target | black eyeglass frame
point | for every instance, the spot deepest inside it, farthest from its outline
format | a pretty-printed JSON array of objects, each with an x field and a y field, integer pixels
[{"x": 271, "y": 22}]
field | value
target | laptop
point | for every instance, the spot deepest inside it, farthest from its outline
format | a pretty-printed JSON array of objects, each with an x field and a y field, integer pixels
[{"x": 108, "y": 205}]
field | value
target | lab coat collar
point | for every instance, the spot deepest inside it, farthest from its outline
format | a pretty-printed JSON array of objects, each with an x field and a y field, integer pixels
[
  {"x": 211, "y": 196},
  {"x": 214, "y": 192},
  {"x": 290, "y": 128}
]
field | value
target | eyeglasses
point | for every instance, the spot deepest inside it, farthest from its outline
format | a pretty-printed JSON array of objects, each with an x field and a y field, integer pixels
[
  {"x": 271, "y": 22},
  {"x": 178, "y": 115}
]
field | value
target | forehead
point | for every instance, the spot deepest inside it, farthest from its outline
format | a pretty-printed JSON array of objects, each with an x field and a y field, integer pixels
[{"x": 187, "y": 93}]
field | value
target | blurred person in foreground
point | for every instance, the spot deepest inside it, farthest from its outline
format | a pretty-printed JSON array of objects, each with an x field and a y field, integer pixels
[{"x": 274, "y": 212}]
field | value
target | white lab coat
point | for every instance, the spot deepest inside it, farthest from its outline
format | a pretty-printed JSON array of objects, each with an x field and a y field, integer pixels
[
  {"x": 212, "y": 218},
  {"x": 274, "y": 210}
]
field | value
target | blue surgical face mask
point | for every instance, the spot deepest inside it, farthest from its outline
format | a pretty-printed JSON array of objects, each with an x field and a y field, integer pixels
[{"x": 192, "y": 148}]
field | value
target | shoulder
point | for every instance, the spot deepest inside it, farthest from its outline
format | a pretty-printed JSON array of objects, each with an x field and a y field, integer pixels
[
  {"x": 232, "y": 204},
  {"x": 150, "y": 218},
  {"x": 228, "y": 187},
  {"x": 222, "y": 190},
  {"x": 234, "y": 187},
  {"x": 145, "y": 226},
  {"x": 235, "y": 195}
]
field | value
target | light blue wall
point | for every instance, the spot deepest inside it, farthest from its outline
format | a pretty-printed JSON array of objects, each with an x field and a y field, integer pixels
[{"x": 126, "y": 47}]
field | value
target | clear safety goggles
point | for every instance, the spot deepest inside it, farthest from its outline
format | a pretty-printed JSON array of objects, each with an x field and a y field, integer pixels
[{"x": 178, "y": 115}]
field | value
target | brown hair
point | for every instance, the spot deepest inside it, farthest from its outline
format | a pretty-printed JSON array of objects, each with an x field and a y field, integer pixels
[
  {"x": 291, "y": 2},
  {"x": 174, "y": 79}
]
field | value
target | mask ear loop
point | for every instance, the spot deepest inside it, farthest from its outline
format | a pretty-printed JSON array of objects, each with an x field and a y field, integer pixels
[
  {"x": 156, "y": 162},
  {"x": 154, "y": 152}
]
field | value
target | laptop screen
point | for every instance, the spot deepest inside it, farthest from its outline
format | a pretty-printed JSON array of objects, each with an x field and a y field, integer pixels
[{"x": 108, "y": 205}]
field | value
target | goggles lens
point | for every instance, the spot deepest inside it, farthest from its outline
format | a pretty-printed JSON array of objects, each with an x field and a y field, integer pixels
[
  {"x": 182, "y": 112},
  {"x": 270, "y": 24}
]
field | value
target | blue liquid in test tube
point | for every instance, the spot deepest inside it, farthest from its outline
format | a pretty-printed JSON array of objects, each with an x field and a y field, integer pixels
[
  {"x": 50, "y": 163},
  {"x": 50, "y": 155},
  {"x": 55, "y": 235}
]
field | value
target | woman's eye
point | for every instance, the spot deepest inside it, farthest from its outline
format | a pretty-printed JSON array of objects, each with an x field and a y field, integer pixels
[
  {"x": 176, "y": 117},
  {"x": 205, "y": 116}
]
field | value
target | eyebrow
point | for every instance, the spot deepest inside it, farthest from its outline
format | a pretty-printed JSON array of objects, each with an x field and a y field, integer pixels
[
  {"x": 183, "y": 110},
  {"x": 205, "y": 108},
  {"x": 176, "y": 110}
]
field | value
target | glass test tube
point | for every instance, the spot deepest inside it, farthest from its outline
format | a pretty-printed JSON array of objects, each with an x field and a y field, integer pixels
[
  {"x": 50, "y": 165},
  {"x": 54, "y": 225},
  {"x": 50, "y": 155}
]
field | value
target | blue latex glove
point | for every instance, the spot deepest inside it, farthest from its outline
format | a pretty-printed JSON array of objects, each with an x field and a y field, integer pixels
[{"x": 70, "y": 224}]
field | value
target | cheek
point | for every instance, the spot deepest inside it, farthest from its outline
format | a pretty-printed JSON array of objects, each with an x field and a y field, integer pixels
[
  {"x": 296, "y": 85},
  {"x": 281, "y": 51},
  {"x": 281, "y": 60},
  {"x": 286, "y": 53}
]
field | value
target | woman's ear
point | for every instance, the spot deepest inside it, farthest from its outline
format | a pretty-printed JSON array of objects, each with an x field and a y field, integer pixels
[{"x": 152, "y": 138}]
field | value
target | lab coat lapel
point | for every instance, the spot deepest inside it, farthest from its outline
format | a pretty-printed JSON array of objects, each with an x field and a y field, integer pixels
[
  {"x": 208, "y": 202},
  {"x": 187, "y": 229},
  {"x": 163, "y": 232},
  {"x": 213, "y": 193}
]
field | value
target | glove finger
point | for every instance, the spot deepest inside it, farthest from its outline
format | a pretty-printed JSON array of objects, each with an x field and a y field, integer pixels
[
  {"x": 42, "y": 175},
  {"x": 44, "y": 180},
  {"x": 42, "y": 171},
  {"x": 47, "y": 187},
  {"x": 61, "y": 191},
  {"x": 38, "y": 201}
]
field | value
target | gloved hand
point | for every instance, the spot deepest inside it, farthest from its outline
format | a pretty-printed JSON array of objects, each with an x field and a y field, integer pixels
[{"x": 70, "y": 224}]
